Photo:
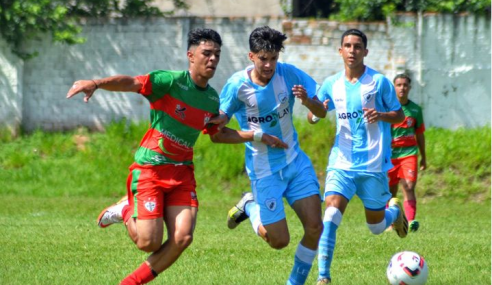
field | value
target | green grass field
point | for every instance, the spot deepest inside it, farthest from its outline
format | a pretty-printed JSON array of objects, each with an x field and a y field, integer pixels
[
  {"x": 56, "y": 241},
  {"x": 55, "y": 185}
]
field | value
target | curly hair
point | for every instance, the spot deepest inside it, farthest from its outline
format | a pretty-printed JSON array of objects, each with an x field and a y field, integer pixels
[
  {"x": 196, "y": 36},
  {"x": 266, "y": 39}
]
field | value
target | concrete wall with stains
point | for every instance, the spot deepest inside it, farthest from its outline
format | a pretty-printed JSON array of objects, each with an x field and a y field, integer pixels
[{"x": 448, "y": 57}]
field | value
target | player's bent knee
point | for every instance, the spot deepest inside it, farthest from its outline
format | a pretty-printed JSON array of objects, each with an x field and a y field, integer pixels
[
  {"x": 333, "y": 215},
  {"x": 148, "y": 245},
  {"x": 183, "y": 241},
  {"x": 377, "y": 228},
  {"x": 314, "y": 231},
  {"x": 279, "y": 243}
]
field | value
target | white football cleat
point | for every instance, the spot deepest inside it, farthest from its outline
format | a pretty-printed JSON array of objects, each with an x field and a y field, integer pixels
[{"x": 112, "y": 214}]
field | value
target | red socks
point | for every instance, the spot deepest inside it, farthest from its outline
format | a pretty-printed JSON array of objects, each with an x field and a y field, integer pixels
[
  {"x": 410, "y": 209},
  {"x": 143, "y": 275}
]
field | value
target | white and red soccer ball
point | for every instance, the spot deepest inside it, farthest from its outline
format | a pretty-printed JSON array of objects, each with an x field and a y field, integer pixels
[{"x": 407, "y": 268}]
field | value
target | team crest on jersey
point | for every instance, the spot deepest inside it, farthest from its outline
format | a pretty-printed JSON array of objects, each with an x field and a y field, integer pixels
[
  {"x": 180, "y": 111},
  {"x": 206, "y": 119},
  {"x": 410, "y": 121},
  {"x": 369, "y": 96},
  {"x": 282, "y": 97},
  {"x": 150, "y": 204},
  {"x": 271, "y": 204}
]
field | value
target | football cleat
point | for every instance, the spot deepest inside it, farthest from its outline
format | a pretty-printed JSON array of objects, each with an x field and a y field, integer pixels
[
  {"x": 323, "y": 281},
  {"x": 112, "y": 214},
  {"x": 401, "y": 223},
  {"x": 237, "y": 214},
  {"x": 414, "y": 226}
]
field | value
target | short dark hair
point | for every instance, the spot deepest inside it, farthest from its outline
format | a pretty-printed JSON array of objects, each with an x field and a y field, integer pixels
[
  {"x": 355, "y": 32},
  {"x": 266, "y": 39},
  {"x": 196, "y": 36},
  {"x": 403, "y": 75}
]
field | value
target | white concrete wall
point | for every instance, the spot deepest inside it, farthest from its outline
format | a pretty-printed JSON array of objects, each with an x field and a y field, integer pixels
[
  {"x": 225, "y": 8},
  {"x": 448, "y": 57},
  {"x": 131, "y": 48},
  {"x": 456, "y": 74},
  {"x": 112, "y": 48},
  {"x": 11, "y": 68}
]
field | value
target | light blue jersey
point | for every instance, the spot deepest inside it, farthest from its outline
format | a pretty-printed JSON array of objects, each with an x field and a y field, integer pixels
[
  {"x": 267, "y": 108},
  {"x": 360, "y": 146}
]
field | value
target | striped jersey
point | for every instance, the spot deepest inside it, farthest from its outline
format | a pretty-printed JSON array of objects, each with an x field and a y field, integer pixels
[
  {"x": 269, "y": 109},
  {"x": 404, "y": 142},
  {"x": 360, "y": 146},
  {"x": 179, "y": 111}
]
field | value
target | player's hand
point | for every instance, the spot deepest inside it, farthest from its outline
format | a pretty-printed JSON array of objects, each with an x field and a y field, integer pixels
[
  {"x": 273, "y": 141},
  {"x": 325, "y": 104},
  {"x": 86, "y": 86},
  {"x": 220, "y": 120},
  {"x": 371, "y": 115},
  {"x": 423, "y": 164},
  {"x": 300, "y": 92}
]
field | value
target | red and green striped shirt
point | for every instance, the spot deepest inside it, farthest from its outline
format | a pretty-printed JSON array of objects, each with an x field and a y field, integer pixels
[
  {"x": 404, "y": 142},
  {"x": 179, "y": 112}
]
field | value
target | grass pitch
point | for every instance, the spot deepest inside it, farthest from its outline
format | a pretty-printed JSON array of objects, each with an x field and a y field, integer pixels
[
  {"x": 54, "y": 186},
  {"x": 56, "y": 241}
]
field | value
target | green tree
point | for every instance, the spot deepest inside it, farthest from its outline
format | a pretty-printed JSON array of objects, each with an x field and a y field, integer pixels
[
  {"x": 22, "y": 20},
  {"x": 364, "y": 10},
  {"x": 379, "y": 10}
]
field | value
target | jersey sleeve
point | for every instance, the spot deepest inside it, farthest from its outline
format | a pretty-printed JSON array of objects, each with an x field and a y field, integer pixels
[
  {"x": 390, "y": 99},
  {"x": 305, "y": 80},
  {"x": 229, "y": 103},
  {"x": 155, "y": 84},
  {"x": 324, "y": 93}
]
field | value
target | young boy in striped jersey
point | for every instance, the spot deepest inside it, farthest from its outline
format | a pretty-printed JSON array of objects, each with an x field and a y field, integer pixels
[
  {"x": 262, "y": 98},
  {"x": 408, "y": 140},
  {"x": 161, "y": 185},
  {"x": 366, "y": 106}
]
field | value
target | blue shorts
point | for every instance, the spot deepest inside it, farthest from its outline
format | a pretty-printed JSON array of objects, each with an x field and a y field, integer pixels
[
  {"x": 371, "y": 187},
  {"x": 296, "y": 181}
]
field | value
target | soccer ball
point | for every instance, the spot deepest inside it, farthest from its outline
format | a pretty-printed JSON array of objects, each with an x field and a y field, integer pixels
[{"x": 407, "y": 268}]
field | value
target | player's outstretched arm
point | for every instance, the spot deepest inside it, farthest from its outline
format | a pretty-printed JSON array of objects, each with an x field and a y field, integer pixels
[
  {"x": 313, "y": 104},
  {"x": 392, "y": 117},
  {"x": 220, "y": 120},
  {"x": 123, "y": 83},
  {"x": 312, "y": 119},
  {"x": 230, "y": 136}
]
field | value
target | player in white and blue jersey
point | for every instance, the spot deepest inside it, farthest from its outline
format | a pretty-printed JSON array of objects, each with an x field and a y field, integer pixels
[
  {"x": 366, "y": 105},
  {"x": 261, "y": 97}
]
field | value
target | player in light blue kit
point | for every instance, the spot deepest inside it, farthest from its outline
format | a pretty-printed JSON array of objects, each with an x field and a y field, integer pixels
[
  {"x": 262, "y": 98},
  {"x": 366, "y": 105}
]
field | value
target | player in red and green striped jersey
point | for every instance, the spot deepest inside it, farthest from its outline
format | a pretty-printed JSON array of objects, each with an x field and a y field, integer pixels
[
  {"x": 161, "y": 184},
  {"x": 408, "y": 140}
]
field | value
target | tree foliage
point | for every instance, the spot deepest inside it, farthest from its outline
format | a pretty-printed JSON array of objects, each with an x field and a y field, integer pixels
[
  {"x": 21, "y": 20},
  {"x": 378, "y": 10}
]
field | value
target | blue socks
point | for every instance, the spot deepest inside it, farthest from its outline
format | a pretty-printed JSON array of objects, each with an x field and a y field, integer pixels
[
  {"x": 331, "y": 221},
  {"x": 303, "y": 261},
  {"x": 391, "y": 214}
]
